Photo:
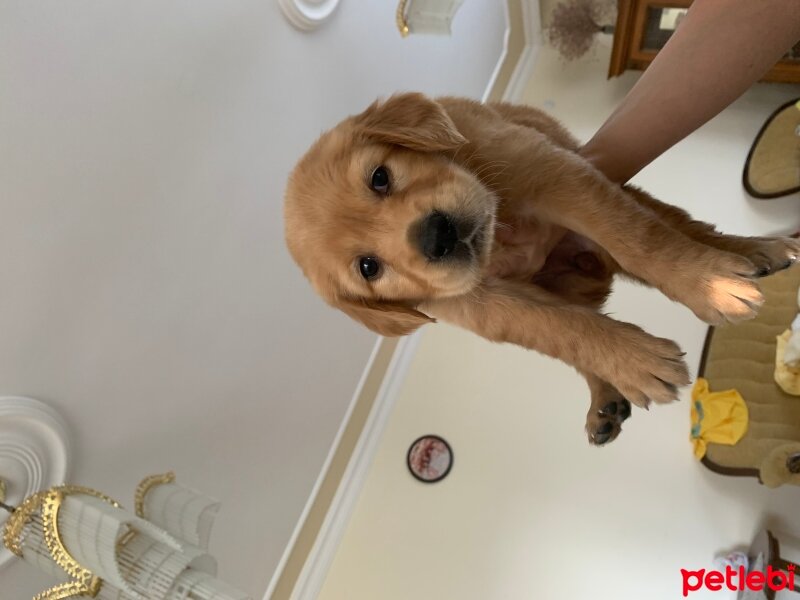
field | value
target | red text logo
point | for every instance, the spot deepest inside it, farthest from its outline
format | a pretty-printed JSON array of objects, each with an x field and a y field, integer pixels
[{"x": 738, "y": 579}]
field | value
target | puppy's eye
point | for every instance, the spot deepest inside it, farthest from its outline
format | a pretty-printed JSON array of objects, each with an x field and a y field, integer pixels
[
  {"x": 369, "y": 267},
  {"x": 380, "y": 180}
]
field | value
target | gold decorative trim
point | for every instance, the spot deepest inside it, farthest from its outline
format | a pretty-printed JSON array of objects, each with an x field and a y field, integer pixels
[
  {"x": 145, "y": 486},
  {"x": 402, "y": 23},
  {"x": 84, "y": 582},
  {"x": 2, "y": 490},
  {"x": 70, "y": 589},
  {"x": 52, "y": 537},
  {"x": 17, "y": 521}
]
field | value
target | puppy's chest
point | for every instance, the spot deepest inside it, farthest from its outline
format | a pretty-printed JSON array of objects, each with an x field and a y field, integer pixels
[{"x": 522, "y": 245}]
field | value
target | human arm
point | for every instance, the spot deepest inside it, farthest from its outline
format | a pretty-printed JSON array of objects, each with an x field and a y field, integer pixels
[{"x": 720, "y": 49}]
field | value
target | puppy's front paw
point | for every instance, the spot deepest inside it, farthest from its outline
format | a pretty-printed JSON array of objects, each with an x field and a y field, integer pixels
[
  {"x": 770, "y": 255},
  {"x": 723, "y": 289},
  {"x": 646, "y": 368},
  {"x": 606, "y": 415}
]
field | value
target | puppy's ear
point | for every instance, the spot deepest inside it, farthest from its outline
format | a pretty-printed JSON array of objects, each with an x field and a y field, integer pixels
[
  {"x": 411, "y": 120},
  {"x": 387, "y": 319}
]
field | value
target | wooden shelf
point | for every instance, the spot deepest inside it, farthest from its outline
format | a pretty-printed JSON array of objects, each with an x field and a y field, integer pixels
[{"x": 628, "y": 50}]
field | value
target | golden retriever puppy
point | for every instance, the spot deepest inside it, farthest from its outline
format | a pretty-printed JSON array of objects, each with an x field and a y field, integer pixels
[{"x": 484, "y": 216}]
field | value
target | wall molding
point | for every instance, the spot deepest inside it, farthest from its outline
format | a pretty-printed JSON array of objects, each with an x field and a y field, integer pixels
[
  {"x": 503, "y": 58},
  {"x": 532, "y": 26},
  {"x": 319, "y": 561},
  {"x": 279, "y": 578},
  {"x": 304, "y": 566},
  {"x": 307, "y": 15}
]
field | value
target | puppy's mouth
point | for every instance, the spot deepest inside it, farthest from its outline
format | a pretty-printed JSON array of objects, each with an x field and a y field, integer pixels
[{"x": 479, "y": 241}]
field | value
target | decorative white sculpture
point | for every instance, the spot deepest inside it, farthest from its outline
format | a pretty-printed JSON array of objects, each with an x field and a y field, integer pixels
[
  {"x": 307, "y": 15},
  {"x": 426, "y": 16},
  {"x": 34, "y": 452},
  {"x": 95, "y": 548}
]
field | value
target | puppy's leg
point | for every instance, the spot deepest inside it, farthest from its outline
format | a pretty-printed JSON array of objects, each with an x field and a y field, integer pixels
[
  {"x": 642, "y": 367},
  {"x": 607, "y": 411},
  {"x": 768, "y": 254},
  {"x": 557, "y": 185}
]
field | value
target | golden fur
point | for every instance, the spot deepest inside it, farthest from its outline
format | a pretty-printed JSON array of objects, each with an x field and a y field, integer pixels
[{"x": 545, "y": 234}]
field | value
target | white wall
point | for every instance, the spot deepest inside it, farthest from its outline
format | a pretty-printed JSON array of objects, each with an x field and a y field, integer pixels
[
  {"x": 530, "y": 510},
  {"x": 146, "y": 292}
]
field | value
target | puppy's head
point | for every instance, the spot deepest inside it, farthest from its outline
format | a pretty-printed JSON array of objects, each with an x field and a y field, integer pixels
[{"x": 380, "y": 219}]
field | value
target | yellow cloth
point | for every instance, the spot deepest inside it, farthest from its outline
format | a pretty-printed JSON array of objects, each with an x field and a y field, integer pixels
[
  {"x": 785, "y": 376},
  {"x": 717, "y": 417}
]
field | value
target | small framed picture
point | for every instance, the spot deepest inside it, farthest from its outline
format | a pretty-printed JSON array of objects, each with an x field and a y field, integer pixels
[{"x": 430, "y": 458}]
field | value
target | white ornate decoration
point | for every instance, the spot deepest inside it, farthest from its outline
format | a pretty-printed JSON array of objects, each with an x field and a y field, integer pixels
[
  {"x": 426, "y": 16},
  {"x": 34, "y": 451},
  {"x": 307, "y": 15},
  {"x": 90, "y": 546}
]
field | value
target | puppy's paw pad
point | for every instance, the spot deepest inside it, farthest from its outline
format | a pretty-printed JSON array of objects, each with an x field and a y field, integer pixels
[
  {"x": 605, "y": 425},
  {"x": 618, "y": 408},
  {"x": 602, "y": 430}
]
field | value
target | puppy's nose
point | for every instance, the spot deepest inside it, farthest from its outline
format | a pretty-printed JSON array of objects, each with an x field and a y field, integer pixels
[{"x": 438, "y": 236}]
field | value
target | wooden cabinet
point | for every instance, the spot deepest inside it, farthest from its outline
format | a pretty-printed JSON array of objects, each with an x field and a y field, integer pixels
[{"x": 644, "y": 26}]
